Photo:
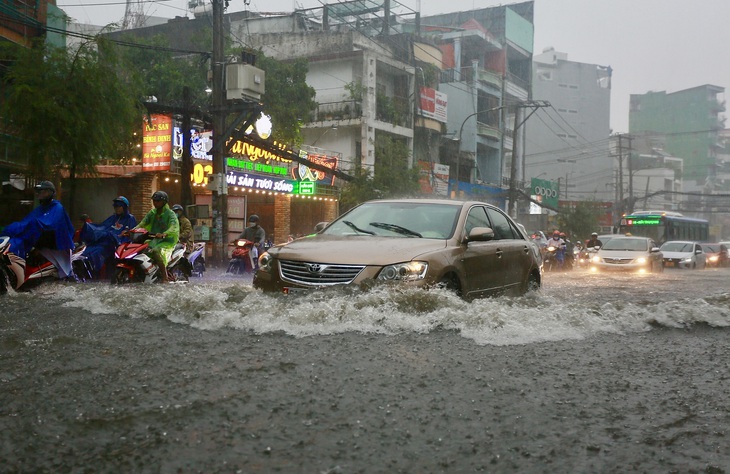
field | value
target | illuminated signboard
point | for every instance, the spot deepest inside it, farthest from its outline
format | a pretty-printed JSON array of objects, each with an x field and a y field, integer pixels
[
  {"x": 264, "y": 183},
  {"x": 302, "y": 172},
  {"x": 305, "y": 188},
  {"x": 200, "y": 173},
  {"x": 157, "y": 143},
  {"x": 648, "y": 220},
  {"x": 201, "y": 144},
  {"x": 246, "y": 165}
]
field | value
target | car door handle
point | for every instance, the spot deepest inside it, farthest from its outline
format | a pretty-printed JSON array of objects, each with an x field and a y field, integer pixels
[
  {"x": 499, "y": 253},
  {"x": 526, "y": 250}
]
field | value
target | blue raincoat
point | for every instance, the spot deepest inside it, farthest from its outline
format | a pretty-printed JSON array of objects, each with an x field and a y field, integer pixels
[
  {"x": 46, "y": 217},
  {"x": 102, "y": 239}
]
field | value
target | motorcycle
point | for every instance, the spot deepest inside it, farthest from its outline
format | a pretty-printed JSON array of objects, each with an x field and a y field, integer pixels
[
  {"x": 21, "y": 274},
  {"x": 550, "y": 261},
  {"x": 242, "y": 258},
  {"x": 134, "y": 265}
]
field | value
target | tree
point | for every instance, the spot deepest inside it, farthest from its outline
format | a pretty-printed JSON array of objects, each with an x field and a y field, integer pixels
[
  {"x": 68, "y": 109},
  {"x": 288, "y": 98},
  {"x": 579, "y": 222},
  {"x": 393, "y": 177}
]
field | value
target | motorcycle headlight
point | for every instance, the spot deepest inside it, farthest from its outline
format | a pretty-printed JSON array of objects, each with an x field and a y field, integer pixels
[
  {"x": 408, "y": 271},
  {"x": 641, "y": 260},
  {"x": 714, "y": 258},
  {"x": 265, "y": 262}
]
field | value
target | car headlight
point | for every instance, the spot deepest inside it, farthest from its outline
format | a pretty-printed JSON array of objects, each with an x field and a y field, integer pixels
[
  {"x": 687, "y": 260},
  {"x": 265, "y": 262},
  {"x": 641, "y": 260},
  {"x": 596, "y": 259},
  {"x": 714, "y": 258},
  {"x": 408, "y": 271}
]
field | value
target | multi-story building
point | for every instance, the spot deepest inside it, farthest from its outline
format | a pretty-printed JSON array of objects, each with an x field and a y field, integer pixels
[
  {"x": 487, "y": 57},
  {"x": 691, "y": 119},
  {"x": 567, "y": 142}
]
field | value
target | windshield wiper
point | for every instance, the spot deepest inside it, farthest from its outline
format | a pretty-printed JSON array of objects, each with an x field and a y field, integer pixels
[
  {"x": 395, "y": 228},
  {"x": 357, "y": 229}
]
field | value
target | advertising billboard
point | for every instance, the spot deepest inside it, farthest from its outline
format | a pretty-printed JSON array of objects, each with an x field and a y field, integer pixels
[
  {"x": 157, "y": 142},
  {"x": 545, "y": 191}
]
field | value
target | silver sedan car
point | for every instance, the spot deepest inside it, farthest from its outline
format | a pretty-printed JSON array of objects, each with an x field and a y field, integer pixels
[
  {"x": 632, "y": 254},
  {"x": 683, "y": 254}
]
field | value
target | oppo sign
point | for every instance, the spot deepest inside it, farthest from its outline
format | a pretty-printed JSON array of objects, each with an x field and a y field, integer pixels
[{"x": 546, "y": 191}]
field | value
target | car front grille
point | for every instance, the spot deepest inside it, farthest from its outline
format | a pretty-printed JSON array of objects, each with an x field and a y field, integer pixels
[
  {"x": 618, "y": 261},
  {"x": 318, "y": 274}
]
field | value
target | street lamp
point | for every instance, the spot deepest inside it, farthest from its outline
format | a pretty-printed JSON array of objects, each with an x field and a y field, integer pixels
[{"x": 458, "y": 140}]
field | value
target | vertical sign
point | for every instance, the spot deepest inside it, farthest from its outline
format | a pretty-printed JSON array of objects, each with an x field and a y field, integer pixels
[
  {"x": 157, "y": 143},
  {"x": 545, "y": 191}
]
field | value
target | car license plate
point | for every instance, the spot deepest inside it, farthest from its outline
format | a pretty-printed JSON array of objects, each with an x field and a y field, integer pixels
[
  {"x": 669, "y": 264},
  {"x": 294, "y": 291}
]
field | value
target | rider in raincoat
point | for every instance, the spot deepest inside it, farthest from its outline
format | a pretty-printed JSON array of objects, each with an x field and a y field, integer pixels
[
  {"x": 162, "y": 222},
  {"x": 102, "y": 239},
  {"x": 48, "y": 228}
]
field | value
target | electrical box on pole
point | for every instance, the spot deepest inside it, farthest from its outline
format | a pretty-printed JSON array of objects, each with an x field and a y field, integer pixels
[{"x": 244, "y": 80}]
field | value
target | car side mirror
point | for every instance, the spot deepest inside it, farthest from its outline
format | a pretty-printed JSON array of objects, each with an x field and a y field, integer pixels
[
  {"x": 320, "y": 226},
  {"x": 654, "y": 249},
  {"x": 480, "y": 234},
  {"x": 698, "y": 252}
]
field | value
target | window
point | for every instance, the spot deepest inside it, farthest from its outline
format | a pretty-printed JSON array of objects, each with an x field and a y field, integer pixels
[
  {"x": 476, "y": 218},
  {"x": 500, "y": 225}
]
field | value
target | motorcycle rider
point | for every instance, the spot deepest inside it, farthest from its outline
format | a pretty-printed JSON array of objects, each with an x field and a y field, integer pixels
[
  {"x": 559, "y": 244},
  {"x": 102, "y": 239},
  {"x": 594, "y": 241},
  {"x": 256, "y": 234},
  {"x": 186, "y": 228},
  {"x": 47, "y": 228},
  {"x": 161, "y": 222},
  {"x": 568, "y": 250}
]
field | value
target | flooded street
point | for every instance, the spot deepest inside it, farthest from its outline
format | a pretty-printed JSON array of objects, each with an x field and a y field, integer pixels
[{"x": 594, "y": 374}]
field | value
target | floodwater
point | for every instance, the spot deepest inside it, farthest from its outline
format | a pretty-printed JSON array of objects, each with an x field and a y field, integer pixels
[{"x": 594, "y": 373}]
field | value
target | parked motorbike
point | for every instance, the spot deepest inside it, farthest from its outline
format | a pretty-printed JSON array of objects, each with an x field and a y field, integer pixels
[
  {"x": 242, "y": 258},
  {"x": 134, "y": 265},
  {"x": 21, "y": 274}
]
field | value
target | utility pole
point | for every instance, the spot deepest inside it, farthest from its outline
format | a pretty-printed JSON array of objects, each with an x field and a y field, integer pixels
[
  {"x": 220, "y": 197},
  {"x": 534, "y": 105}
]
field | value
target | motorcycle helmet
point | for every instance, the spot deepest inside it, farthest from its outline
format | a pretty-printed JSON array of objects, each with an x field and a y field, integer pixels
[
  {"x": 160, "y": 196},
  {"x": 178, "y": 207},
  {"x": 121, "y": 200},
  {"x": 595, "y": 234},
  {"x": 45, "y": 185},
  {"x": 253, "y": 218}
]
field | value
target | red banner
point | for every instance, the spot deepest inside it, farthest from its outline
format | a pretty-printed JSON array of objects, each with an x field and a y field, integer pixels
[{"x": 157, "y": 143}]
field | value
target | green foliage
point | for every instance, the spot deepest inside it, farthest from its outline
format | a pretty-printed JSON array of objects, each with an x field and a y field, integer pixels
[
  {"x": 69, "y": 109},
  {"x": 579, "y": 222},
  {"x": 393, "y": 177},
  {"x": 288, "y": 98},
  {"x": 161, "y": 74}
]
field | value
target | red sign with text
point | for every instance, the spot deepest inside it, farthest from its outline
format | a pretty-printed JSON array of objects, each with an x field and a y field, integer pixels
[{"x": 157, "y": 143}]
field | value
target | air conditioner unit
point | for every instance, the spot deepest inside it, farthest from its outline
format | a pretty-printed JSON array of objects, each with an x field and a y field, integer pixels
[{"x": 244, "y": 80}]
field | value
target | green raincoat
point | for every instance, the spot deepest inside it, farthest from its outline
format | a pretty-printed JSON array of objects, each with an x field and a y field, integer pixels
[{"x": 163, "y": 221}]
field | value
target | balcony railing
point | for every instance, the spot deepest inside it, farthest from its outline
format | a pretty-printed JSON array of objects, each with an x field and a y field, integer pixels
[
  {"x": 340, "y": 110},
  {"x": 488, "y": 131}
]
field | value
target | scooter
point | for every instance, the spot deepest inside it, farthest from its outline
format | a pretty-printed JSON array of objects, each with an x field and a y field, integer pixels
[
  {"x": 550, "y": 261},
  {"x": 242, "y": 258},
  {"x": 21, "y": 274},
  {"x": 133, "y": 265}
]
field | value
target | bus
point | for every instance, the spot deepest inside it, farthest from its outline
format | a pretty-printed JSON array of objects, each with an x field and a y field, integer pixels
[{"x": 665, "y": 225}]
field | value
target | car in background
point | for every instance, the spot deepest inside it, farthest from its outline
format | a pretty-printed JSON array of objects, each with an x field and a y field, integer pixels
[
  {"x": 683, "y": 254},
  {"x": 716, "y": 254},
  {"x": 629, "y": 254},
  {"x": 470, "y": 247}
]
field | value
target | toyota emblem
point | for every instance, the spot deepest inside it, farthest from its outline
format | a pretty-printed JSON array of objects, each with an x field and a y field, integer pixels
[{"x": 314, "y": 267}]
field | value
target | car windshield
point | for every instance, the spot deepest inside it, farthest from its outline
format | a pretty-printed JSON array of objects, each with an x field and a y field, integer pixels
[
  {"x": 398, "y": 219},
  {"x": 711, "y": 248},
  {"x": 637, "y": 245},
  {"x": 677, "y": 247}
]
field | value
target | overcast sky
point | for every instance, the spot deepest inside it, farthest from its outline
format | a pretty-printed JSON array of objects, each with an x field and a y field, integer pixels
[{"x": 652, "y": 45}]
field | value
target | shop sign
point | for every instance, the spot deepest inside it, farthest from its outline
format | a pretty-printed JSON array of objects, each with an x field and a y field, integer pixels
[
  {"x": 545, "y": 191},
  {"x": 255, "y": 153},
  {"x": 157, "y": 142},
  {"x": 200, "y": 173},
  {"x": 302, "y": 172},
  {"x": 246, "y": 165},
  {"x": 306, "y": 188},
  {"x": 201, "y": 144},
  {"x": 264, "y": 183},
  {"x": 433, "y": 104},
  {"x": 433, "y": 178}
]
